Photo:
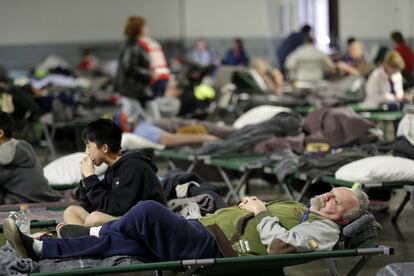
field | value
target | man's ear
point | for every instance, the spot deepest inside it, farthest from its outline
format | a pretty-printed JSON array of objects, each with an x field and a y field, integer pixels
[
  {"x": 105, "y": 148},
  {"x": 1, "y": 133}
]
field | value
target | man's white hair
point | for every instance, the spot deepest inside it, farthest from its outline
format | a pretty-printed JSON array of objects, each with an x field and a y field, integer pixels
[{"x": 362, "y": 207}]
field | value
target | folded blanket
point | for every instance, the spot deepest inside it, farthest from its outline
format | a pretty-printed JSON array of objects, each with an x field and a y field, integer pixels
[
  {"x": 192, "y": 207},
  {"x": 10, "y": 264}
]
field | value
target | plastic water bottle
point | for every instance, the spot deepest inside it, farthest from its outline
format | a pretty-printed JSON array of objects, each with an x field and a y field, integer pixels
[{"x": 22, "y": 218}]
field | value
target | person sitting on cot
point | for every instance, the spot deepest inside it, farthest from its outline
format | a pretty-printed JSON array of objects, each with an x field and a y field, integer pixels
[
  {"x": 130, "y": 177},
  {"x": 21, "y": 174},
  {"x": 152, "y": 231}
]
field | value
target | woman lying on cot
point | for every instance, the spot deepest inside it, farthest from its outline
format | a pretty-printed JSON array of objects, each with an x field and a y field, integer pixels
[{"x": 152, "y": 231}]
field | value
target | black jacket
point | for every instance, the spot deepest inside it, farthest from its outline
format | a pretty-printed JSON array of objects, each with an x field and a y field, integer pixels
[
  {"x": 131, "y": 179},
  {"x": 133, "y": 75}
]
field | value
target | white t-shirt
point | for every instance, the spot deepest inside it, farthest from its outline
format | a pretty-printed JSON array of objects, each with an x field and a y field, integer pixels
[
  {"x": 307, "y": 63},
  {"x": 378, "y": 88}
]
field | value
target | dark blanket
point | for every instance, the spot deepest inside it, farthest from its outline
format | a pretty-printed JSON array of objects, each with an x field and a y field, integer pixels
[
  {"x": 177, "y": 177},
  {"x": 243, "y": 140},
  {"x": 336, "y": 126}
]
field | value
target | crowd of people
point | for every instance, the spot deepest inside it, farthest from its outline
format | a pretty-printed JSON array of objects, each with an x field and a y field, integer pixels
[{"x": 126, "y": 211}]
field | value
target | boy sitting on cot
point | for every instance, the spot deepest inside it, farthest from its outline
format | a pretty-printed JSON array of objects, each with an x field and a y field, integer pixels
[{"x": 130, "y": 177}]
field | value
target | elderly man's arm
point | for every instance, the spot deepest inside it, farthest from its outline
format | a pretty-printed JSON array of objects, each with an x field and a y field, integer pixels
[{"x": 318, "y": 235}]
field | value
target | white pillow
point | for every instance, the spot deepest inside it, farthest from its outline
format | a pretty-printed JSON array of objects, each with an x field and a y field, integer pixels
[
  {"x": 133, "y": 141},
  {"x": 258, "y": 114},
  {"x": 378, "y": 169},
  {"x": 66, "y": 169}
]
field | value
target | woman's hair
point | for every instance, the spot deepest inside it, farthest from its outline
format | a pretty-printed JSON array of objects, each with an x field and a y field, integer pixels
[
  {"x": 394, "y": 60},
  {"x": 134, "y": 26}
]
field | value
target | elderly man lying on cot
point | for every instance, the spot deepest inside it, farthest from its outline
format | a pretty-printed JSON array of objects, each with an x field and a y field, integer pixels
[{"x": 152, "y": 231}]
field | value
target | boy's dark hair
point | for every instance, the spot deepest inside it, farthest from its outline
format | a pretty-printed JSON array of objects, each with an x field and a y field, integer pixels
[
  {"x": 103, "y": 131},
  {"x": 6, "y": 124}
]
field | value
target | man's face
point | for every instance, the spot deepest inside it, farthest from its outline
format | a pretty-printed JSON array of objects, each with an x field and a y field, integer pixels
[
  {"x": 96, "y": 153},
  {"x": 333, "y": 204},
  {"x": 390, "y": 70}
]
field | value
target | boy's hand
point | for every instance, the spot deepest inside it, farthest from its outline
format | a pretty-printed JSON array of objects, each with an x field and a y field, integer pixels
[
  {"x": 252, "y": 204},
  {"x": 87, "y": 166}
]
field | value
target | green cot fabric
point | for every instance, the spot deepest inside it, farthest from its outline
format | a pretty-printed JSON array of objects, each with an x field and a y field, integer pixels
[{"x": 240, "y": 226}]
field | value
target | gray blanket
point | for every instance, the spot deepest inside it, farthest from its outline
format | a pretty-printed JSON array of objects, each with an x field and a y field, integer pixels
[{"x": 11, "y": 264}]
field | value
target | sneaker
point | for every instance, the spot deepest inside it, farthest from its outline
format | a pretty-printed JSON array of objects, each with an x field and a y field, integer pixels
[
  {"x": 20, "y": 242},
  {"x": 72, "y": 230}
]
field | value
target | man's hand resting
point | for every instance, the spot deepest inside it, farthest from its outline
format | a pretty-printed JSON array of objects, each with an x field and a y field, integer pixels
[{"x": 252, "y": 204}]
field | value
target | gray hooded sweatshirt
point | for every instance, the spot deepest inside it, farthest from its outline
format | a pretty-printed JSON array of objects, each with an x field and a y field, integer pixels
[{"x": 21, "y": 175}]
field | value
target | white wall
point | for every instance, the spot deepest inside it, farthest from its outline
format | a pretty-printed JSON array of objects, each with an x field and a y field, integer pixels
[
  {"x": 52, "y": 21},
  {"x": 218, "y": 18},
  {"x": 62, "y": 21},
  {"x": 375, "y": 19}
]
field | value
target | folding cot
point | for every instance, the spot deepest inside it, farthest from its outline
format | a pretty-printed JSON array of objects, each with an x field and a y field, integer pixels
[
  {"x": 409, "y": 194},
  {"x": 178, "y": 154},
  {"x": 243, "y": 265},
  {"x": 244, "y": 163},
  {"x": 61, "y": 187},
  {"x": 47, "y": 122},
  {"x": 38, "y": 224},
  {"x": 43, "y": 215},
  {"x": 377, "y": 114}
]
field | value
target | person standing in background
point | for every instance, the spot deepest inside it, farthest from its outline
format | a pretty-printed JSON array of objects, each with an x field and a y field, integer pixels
[
  {"x": 158, "y": 64},
  {"x": 293, "y": 41},
  {"x": 133, "y": 74}
]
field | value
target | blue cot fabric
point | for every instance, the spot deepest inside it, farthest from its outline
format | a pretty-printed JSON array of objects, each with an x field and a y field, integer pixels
[
  {"x": 149, "y": 230},
  {"x": 149, "y": 132}
]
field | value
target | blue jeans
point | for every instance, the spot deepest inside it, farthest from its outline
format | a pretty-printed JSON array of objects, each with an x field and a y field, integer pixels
[{"x": 149, "y": 230}]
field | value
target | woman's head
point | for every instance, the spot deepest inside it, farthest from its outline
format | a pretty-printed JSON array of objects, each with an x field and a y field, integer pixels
[
  {"x": 356, "y": 50},
  {"x": 393, "y": 62},
  {"x": 135, "y": 26}
]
